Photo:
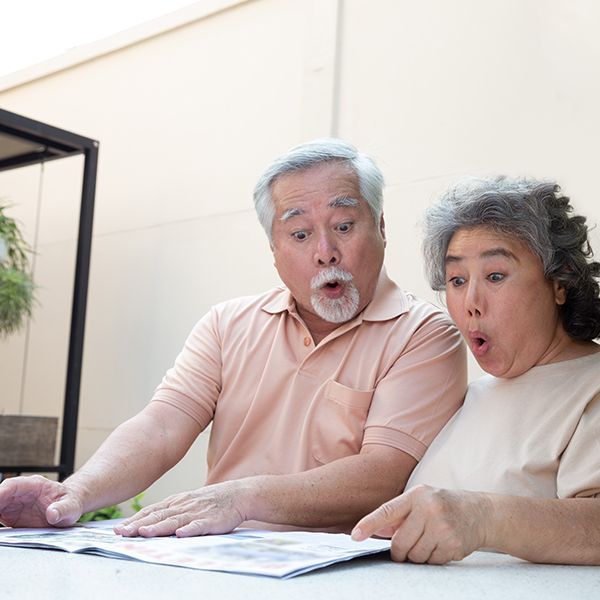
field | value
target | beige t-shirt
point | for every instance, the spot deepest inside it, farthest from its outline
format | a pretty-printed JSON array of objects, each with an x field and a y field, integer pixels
[
  {"x": 393, "y": 376},
  {"x": 535, "y": 435}
]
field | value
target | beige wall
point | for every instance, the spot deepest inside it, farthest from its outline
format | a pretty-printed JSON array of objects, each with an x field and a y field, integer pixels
[{"x": 188, "y": 118}]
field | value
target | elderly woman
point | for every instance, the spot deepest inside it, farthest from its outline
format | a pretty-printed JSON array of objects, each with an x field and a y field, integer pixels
[{"x": 517, "y": 469}]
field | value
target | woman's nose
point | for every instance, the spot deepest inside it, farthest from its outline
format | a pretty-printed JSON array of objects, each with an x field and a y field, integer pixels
[{"x": 474, "y": 300}]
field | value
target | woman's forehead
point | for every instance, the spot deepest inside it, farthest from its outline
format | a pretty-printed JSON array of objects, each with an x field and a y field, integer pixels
[{"x": 486, "y": 242}]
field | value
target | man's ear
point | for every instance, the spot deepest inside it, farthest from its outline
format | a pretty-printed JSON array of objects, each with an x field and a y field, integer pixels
[
  {"x": 382, "y": 228},
  {"x": 272, "y": 247},
  {"x": 560, "y": 293}
]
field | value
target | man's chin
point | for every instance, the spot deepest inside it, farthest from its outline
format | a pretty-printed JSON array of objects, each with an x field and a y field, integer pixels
[{"x": 336, "y": 311}]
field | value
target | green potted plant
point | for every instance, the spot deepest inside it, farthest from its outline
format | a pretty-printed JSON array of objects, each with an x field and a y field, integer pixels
[
  {"x": 16, "y": 285},
  {"x": 112, "y": 512},
  {"x": 24, "y": 440}
]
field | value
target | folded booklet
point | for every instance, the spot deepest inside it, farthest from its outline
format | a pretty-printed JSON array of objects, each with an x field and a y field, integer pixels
[{"x": 249, "y": 551}]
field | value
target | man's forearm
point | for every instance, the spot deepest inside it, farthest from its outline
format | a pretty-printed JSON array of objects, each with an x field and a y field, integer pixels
[
  {"x": 546, "y": 530},
  {"x": 334, "y": 495},
  {"x": 135, "y": 455}
]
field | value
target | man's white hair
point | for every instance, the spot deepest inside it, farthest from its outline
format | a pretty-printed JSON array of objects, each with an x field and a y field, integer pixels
[{"x": 314, "y": 153}]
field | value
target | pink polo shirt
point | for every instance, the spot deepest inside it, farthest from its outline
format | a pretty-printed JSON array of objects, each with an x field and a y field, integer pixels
[{"x": 392, "y": 376}]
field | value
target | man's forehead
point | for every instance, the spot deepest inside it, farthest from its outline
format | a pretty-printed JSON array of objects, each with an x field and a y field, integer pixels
[
  {"x": 327, "y": 181},
  {"x": 331, "y": 169}
]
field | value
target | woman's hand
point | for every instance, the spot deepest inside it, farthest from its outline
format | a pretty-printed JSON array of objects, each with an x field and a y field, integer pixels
[{"x": 430, "y": 525}]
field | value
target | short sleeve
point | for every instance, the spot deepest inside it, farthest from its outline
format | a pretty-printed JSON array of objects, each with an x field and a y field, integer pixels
[
  {"x": 579, "y": 470},
  {"x": 422, "y": 390},
  {"x": 193, "y": 383}
]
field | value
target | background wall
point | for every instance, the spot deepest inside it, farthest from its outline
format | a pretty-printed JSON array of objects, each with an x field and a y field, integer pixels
[{"x": 189, "y": 116}]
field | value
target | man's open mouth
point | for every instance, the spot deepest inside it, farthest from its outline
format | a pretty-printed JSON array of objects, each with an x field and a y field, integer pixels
[
  {"x": 330, "y": 279},
  {"x": 333, "y": 289}
]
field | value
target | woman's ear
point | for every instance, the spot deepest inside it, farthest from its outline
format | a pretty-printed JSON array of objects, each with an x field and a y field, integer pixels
[{"x": 560, "y": 293}]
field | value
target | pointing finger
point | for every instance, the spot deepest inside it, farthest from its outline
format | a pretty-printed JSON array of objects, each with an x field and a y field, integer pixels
[{"x": 384, "y": 520}]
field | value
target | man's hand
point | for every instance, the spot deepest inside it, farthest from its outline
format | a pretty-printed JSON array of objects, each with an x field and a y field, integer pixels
[
  {"x": 37, "y": 502},
  {"x": 215, "y": 508},
  {"x": 430, "y": 525}
]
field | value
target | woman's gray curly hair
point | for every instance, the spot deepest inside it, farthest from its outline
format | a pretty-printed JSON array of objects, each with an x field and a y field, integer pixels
[{"x": 538, "y": 214}]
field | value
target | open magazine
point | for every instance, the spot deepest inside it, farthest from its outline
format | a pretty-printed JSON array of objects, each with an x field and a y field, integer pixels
[{"x": 249, "y": 551}]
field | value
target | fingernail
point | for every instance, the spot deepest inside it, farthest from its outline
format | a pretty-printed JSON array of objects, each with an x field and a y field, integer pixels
[
  {"x": 356, "y": 533},
  {"x": 53, "y": 515}
]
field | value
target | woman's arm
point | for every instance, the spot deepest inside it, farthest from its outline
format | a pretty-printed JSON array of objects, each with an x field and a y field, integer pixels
[{"x": 437, "y": 526}]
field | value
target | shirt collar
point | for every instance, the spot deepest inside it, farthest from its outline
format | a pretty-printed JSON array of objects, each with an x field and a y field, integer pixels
[{"x": 388, "y": 302}]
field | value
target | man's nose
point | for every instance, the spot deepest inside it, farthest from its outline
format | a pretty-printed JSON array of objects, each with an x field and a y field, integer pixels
[{"x": 326, "y": 253}]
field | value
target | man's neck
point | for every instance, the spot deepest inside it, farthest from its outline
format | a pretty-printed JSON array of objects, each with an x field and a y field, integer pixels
[{"x": 318, "y": 328}]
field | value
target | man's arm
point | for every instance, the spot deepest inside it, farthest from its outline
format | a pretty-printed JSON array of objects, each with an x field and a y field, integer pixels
[
  {"x": 436, "y": 526},
  {"x": 419, "y": 393},
  {"x": 336, "y": 494},
  {"x": 134, "y": 455}
]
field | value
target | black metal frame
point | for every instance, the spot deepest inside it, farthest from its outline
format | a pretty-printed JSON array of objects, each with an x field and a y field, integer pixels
[{"x": 57, "y": 143}]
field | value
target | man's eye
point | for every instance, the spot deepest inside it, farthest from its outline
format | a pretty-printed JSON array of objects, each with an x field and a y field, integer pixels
[
  {"x": 495, "y": 277},
  {"x": 300, "y": 235},
  {"x": 344, "y": 227},
  {"x": 456, "y": 281}
]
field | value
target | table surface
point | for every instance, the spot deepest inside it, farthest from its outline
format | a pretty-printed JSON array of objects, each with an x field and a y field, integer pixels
[{"x": 41, "y": 574}]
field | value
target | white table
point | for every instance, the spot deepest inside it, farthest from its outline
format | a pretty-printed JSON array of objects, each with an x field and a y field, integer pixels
[{"x": 43, "y": 574}]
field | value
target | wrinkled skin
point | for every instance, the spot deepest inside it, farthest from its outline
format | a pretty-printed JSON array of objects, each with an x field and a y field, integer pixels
[
  {"x": 429, "y": 525},
  {"x": 31, "y": 502},
  {"x": 211, "y": 509}
]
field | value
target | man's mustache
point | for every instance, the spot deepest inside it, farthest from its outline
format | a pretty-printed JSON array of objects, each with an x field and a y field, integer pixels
[{"x": 330, "y": 275}]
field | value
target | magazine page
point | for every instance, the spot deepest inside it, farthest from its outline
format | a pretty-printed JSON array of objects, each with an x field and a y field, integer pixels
[{"x": 271, "y": 553}]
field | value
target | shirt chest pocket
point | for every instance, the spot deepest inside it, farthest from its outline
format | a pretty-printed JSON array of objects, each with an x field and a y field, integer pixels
[{"x": 338, "y": 421}]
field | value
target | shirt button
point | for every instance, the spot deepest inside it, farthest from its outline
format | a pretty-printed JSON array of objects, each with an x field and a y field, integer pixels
[{"x": 307, "y": 341}]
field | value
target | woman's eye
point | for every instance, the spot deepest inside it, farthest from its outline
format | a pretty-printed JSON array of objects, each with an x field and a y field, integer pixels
[
  {"x": 300, "y": 235},
  {"x": 344, "y": 227},
  {"x": 456, "y": 281},
  {"x": 495, "y": 277}
]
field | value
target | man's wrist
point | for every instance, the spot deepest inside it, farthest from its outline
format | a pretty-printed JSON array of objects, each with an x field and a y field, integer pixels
[
  {"x": 78, "y": 491},
  {"x": 254, "y": 496}
]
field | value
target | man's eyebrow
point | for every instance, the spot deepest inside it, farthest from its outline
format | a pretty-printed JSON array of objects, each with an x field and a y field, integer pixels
[
  {"x": 491, "y": 253},
  {"x": 342, "y": 201},
  {"x": 339, "y": 202},
  {"x": 289, "y": 213}
]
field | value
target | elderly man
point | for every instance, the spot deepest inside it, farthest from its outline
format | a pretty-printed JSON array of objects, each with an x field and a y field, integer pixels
[{"x": 323, "y": 395}]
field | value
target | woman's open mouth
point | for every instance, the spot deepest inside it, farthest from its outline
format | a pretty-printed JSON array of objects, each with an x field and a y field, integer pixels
[{"x": 479, "y": 343}]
